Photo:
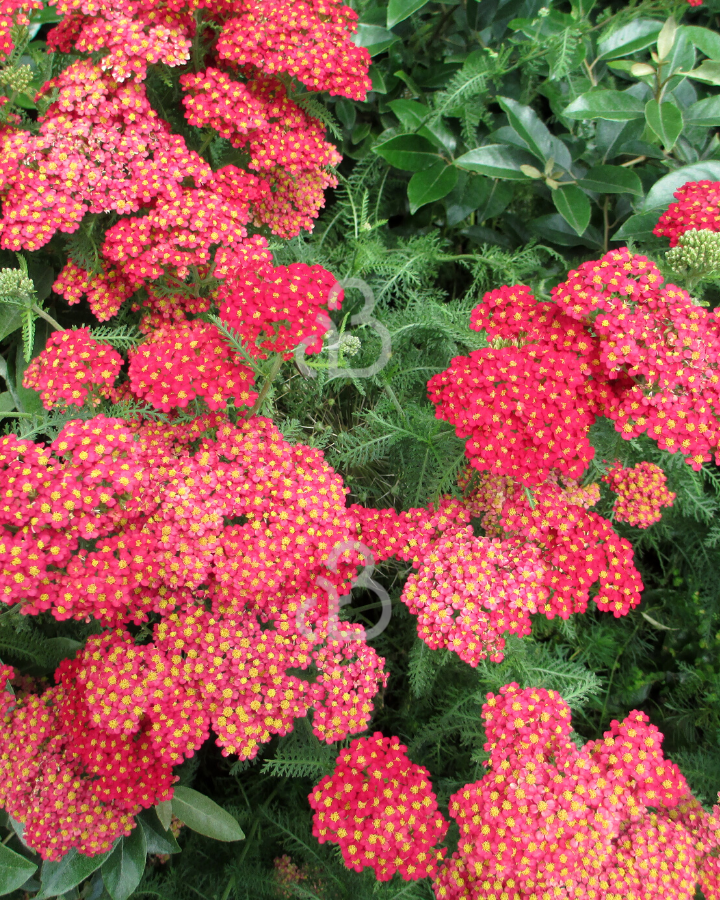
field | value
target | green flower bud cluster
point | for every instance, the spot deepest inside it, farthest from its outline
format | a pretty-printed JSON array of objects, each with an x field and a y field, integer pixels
[
  {"x": 349, "y": 344},
  {"x": 15, "y": 285},
  {"x": 17, "y": 78},
  {"x": 697, "y": 253}
]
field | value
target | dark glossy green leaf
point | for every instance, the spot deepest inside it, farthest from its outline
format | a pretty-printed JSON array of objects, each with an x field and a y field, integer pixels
[
  {"x": 374, "y": 37},
  {"x": 123, "y": 869},
  {"x": 639, "y": 227},
  {"x": 164, "y": 813},
  {"x": 666, "y": 121},
  {"x": 430, "y": 185},
  {"x": 612, "y": 180},
  {"x": 14, "y": 870},
  {"x": 63, "y": 875},
  {"x": 377, "y": 78},
  {"x": 28, "y": 400},
  {"x": 541, "y": 143},
  {"x": 158, "y": 839},
  {"x": 703, "y": 113},
  {"x": 660, "y": 195},
  {"x": 554, "y": 228},
  {"x": 10, "y": 319},
  {"x": 618, "y": 106},
  {"x": 634, "y": 36},
  {"x": 203, "y": 815},
  {"x": 399, "y": 10},
  {"x": 7, "y": 403},
  {"x": 573, "y": 205},
  {"x": 413, "y": 115},
  {"x": 706, "y": 40},
  {"x": 487, "y": 196},
  {"x": 497, "y": 161},
  {"x": 411, "y": 152}
]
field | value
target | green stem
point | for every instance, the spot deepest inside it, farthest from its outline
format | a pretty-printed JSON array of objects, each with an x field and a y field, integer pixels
[
  {"x": 48, "y": 318},
  {"x": 268, "y": 384}
]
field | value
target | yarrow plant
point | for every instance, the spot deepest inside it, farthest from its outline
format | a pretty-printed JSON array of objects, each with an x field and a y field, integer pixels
[{"x": 200, "y": 550}]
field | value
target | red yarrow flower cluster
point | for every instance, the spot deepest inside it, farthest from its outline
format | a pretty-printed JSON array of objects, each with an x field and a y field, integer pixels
[
  {"x": 660, "y": 350},
  {"x": 106, "y": 291},
  {"x": 72, "y": 366},
  {"x": 613, "y": 819},
  {"x": 189, "y": 360},
  {"x": 70, "y": 784},
  {"x": 274, "y": 309},
  {"x": 380, "y": 809},
  {"x": 100, "y": 147},
  {"x": 238, "y": 546},
  {"x": 133, "y": 34},
  {"x": 525, "y": 408},
  {"x": 697, "y": 207},
  {"x": 14, "y": 13},
  {"x": 641, "y": 493},
  {"x": 579, "y": 549},
  {"x": 309, "y": 40}
]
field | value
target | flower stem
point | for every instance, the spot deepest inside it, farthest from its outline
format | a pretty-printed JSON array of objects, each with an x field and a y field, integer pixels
[
  {"x": 267, "y": 385},
  {"x": 48, "y": 318}
]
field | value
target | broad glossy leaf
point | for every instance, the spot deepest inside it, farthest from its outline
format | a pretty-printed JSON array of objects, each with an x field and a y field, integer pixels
[
  {"x": 203, "y": 815},
  {"x": 704, "y": 112},
  {"x": 666, "y": 121},
  {"x": 618, "y": 106},
  {"x": 573, "y": 205},
  {"x": 526, "y": 122},
  {"x": 612, "y": 180},
  {"x": 432, "y": 184},
  {"x": 411, "y": 152},
  {"x": 497, "y": 161},
  {"x": 666, "y": 38},
  {"x": 374, "y": 37},
  {"x": 61, "y": 876},
  {"x": 660, "y": 195},
  {"x": 14, "y": 870},
  {"x": 123, "y": 869},
  {"x": 7, "y": 403},
  {"x": 706, "y": 40},
  {"x": 28, "y": 400},
  {"x": 634, "y": 36},
  {"x": 639, "y": 226},
  {"x": 708, "y": 72},
  {"x": 159, "y": 839},
  {"x": 399, "y": 10},
  {"x": 10, "y": 319},
  {"x": 555, "y": 228},
  {"x": 488, "y": 197},
  {"x": 413, "y": 115},
  {"x": 164, "y": 813}
]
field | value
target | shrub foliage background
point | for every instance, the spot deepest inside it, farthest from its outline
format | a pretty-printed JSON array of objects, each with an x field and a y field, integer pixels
[{"x": 502, "y": 143}]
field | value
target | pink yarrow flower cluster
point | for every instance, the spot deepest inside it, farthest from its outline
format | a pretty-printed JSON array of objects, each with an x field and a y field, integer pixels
[
  {"x": 71, "y": 367},
  {"x": 641, "y": 493},
  {"x": 380, "y": 809},
  {"x": 613, "y": 819},
  {"x": 659, "y": 350},
  {"x": 228, "y": 545}
]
